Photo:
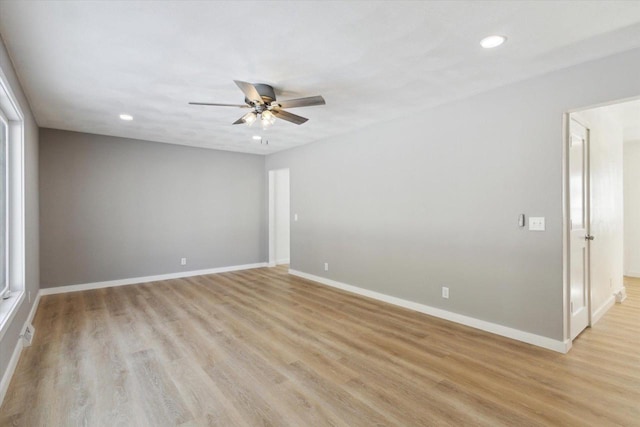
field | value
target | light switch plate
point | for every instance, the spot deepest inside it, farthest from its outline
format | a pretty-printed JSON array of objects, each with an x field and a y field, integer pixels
[{"x": 536, "y": 223}]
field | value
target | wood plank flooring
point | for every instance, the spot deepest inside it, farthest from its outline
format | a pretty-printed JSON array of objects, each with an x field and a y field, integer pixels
[{"x": 263, "y": 348}]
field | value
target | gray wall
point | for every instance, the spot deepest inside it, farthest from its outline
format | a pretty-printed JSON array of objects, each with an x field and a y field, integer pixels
[
  {"x": 32, "y": 275},
  {"x": 115, "y": 208},
  {"x": 408, "y": 206}
]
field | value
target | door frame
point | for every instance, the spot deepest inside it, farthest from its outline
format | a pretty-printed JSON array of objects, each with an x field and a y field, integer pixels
[
  {"x": 566, "y": 117},
  {"x": 271, "y": 215},
  {"x": 566, "y": 229}
]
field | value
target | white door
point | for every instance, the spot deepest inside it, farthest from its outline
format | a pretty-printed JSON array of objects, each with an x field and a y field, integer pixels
[{"x": 579, "y": 237}]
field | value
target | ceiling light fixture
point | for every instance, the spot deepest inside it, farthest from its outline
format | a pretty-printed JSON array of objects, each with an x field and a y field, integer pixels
[
  {"x": 249, "y": 118},
  {"x": 492, "y": 41},
  {"x": 126, "y": 117},
  {"x": 267, "y": 118},
  {"x": 257, "y": 137}
]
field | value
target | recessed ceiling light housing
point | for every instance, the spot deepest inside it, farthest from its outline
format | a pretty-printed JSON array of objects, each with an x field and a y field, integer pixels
[
  {"x": 257, "y": 137},
  {"x": 492, "y": 41},
  {"x": 126, "y": 117}
]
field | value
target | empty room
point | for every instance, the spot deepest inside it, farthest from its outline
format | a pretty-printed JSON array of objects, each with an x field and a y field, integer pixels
[{"x": 310, "y": 213}]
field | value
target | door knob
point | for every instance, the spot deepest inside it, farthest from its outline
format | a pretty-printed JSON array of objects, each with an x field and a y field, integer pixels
[{"x": 589, "y": 237}]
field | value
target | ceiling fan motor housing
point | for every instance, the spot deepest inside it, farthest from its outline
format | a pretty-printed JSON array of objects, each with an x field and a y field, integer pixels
[{"x": 266, "y": 92}]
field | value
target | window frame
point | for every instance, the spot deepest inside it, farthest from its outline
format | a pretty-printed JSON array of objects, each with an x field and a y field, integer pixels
[
  {"x": 15, "y": 204},
  {"x": 5, "y": 288}
]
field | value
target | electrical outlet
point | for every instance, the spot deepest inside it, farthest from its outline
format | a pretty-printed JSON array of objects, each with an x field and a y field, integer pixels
[
  {"x": 183, "y": 261},
  {"x": 326, "y": 266},
  {"x": 295, "y": 217},
  {"x": 445, "y": 292}
]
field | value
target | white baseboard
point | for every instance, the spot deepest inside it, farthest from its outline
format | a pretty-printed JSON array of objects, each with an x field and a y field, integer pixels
[
  {"x": 632, "y": 274},
  {"x": 135, "y": 280},
  {"x": 600, "y": 311},
  {"x": 15, "y": 357},
  {"x": 11, "y": 368},
  {"x": 516, "y": 334}
]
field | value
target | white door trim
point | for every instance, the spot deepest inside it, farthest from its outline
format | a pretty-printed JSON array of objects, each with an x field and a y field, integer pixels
[{"x": 566, "y": 284}]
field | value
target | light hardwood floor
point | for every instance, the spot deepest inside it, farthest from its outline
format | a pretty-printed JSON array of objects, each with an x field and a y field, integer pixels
[{"x": 261, "y": 347}]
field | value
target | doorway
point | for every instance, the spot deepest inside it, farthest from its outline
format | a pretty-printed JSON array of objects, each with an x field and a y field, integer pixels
[
  {"x": 595, "y": 234},
  {"x": 279, "y": 217}
]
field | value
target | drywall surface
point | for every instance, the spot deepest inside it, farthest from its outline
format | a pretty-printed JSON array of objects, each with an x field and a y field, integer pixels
[
  {"x": 607, "y": 210},
  {"x": 408, "y": 206},
  {"x": 115, "y": 208},
  {"x": 632, "y": 208},
  {"x": 32, "y": 274},
  {"x": 282, "y": 215}
]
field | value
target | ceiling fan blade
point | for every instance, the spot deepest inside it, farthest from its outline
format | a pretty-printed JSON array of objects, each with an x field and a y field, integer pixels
[
  {"x": 220, "y": 105},
  {"x": 250, "y": 91},
  {"x": 301, "y": 102},
  {"x": 289, "y": 117}
]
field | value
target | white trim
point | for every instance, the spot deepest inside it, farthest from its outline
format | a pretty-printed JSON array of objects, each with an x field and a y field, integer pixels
[
  {"x": 600, "y": 311},
  {"x": 11, "y": 368},
  {"x": 516, "y": 334},
  {"x": 17, "y": 351},
  {"x": 632, "y": 274},
  {"x": 566, "y": 287},
  {"x": 134, "y": 280}
]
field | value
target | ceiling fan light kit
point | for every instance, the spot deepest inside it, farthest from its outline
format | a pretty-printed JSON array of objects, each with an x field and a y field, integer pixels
[{"x": 261, "y": 98}]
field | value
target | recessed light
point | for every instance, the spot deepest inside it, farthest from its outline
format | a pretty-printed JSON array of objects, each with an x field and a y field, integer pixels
[
  {"x": 492, "y": 41},
  {"x": 257, "y": 137},
  {"x": 126, "y": 117}
]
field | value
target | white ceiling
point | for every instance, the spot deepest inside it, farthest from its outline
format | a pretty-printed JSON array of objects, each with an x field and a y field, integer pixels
[{"x": 83, "y": 63}]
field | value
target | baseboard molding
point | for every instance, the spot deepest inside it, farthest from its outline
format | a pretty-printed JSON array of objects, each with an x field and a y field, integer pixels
[
  {"x": 600, "y": 311},
  {"x": 494, "y": 328},
  {"x": 17, "y": 351},
  {"x": 135, "y": 280},
  {"x": 11, "y": 368},
  {"x": 632, "y": 274}
]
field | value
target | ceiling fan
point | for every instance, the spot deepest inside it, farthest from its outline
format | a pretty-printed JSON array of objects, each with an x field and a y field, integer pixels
[{"x": 261, "y": 98}]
